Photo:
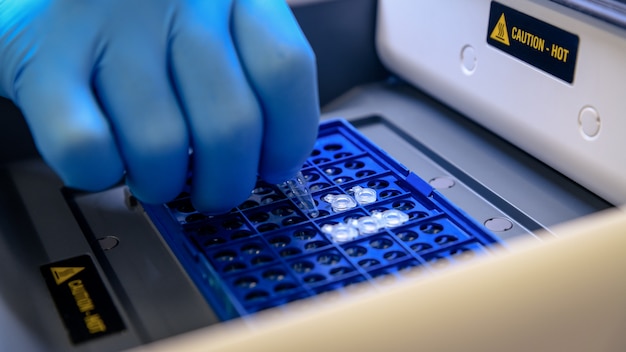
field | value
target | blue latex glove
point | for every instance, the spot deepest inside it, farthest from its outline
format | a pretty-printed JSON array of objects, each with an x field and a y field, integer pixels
[{"x": 125, "y": 87}]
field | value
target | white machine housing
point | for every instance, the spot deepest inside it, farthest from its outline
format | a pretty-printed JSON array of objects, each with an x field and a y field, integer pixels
[{"x": 579, "y": 128}]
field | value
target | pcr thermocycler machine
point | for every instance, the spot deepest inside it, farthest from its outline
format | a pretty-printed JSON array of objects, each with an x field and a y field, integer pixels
[{"x": 468, "y": 180}]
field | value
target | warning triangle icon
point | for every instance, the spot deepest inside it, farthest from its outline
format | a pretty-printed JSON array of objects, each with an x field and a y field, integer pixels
[
  {"x": 500, "y": 32},
  {"x": 62, "y": 274}
]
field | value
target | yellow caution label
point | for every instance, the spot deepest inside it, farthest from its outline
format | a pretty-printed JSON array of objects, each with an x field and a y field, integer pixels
[
  {"x": 62, "y": 274},
  {"x": 82, "y": 299},
  {"x": 93, "y": 321},
  {"x": 529, "y": 39},
  {"x": 500, "y": 32}
]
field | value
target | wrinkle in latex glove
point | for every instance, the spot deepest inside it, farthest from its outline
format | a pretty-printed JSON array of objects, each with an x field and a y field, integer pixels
[{"x": 124, "y": 88}]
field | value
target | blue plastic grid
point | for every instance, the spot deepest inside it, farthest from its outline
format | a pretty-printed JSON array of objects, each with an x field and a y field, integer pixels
[{"x": 267, "y": 252}]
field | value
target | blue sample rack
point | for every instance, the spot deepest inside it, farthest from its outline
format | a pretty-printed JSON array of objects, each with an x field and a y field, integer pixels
[{"x": 268, "y": 252}]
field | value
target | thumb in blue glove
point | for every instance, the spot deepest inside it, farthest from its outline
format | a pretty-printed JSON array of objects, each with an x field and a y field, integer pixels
[{"x": 114, "y": 88}]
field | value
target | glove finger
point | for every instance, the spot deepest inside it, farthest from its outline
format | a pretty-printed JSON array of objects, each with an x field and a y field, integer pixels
[
  {"x": 223, "y": 114},
  {"x": 281, "y": 68},
  {"x": 133, "y": 87},
  {"x": 67, "y": 124}
]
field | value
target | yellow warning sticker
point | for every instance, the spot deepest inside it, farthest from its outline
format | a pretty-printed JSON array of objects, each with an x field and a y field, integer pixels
[
  {"x": 82, "y": 299},
  {"x": 536, "y": 42},
  {"x": 62, "y": 274},
  {"x": 500, "y": 32}
]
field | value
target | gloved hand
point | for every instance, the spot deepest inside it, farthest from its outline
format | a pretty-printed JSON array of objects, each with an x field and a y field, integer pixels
[{"x": 127, "y": 87}]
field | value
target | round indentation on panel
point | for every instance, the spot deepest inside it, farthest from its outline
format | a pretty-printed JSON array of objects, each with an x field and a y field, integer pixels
[
  {"x": 261, "y": 259},
  {"x": 207, "y": 230},
  {"x": 378, "y": 210},
  {"x": 318, "y": 161},
  {"x": 289, "y": 252},
  {"x": 304, "y": 234},
  {"x": 388, "y": 193},
  {"x": 365, "y": 173},
  {"x": 274, "y": 275},
  {"x": 108, "y": 242},
  {"x": 232, "y": 224},
  {"x": 251, "y": 249},
  {"x": 284, "y": 287},
  {"x": 302, "y": 267},
  {"x": 431, "y": 228},
  {"x": 225, "y": 256},
  {"x": 241, "y": 234},
  {"x": 315, "y": 152},
  {"x": 356, "y": 251},
  {"x": 261, "y": 190},
  {"x": 403, "y": 205},
  {"x": 257, "y": 296},
  {"x": 393, "y": 255},
  {"x": 315, "y": 245},
  {"x": 311, "y": 279},
  {"x": 354, "y": 164},
  {"x": 332, "y": 171},
  {"x": 213, "y": 241},
  {"x": 186, "y": 207},
  {"x": 421, "y": 247},
  {"x": 248, "y": 204},
  {"x": 366, "y": 263},
  {"x": 333, "y": 147},
  {"x": 381, "y": 243},
  {"x": 247, "y": 282},
  {"x": 589, "y": 122},
  {"x": 442, "y": 182},
  {"x": 408, "y": 236},
  {"x": 269, "y": 199},
  {"x": 351, "y": 217},
  {"x": 468, "y": 59},
  {"x": 279, "y": 241},
  {"x": 328, "y": 259},
  {"x": 282, "y": 211},
  {"x": 498, "y": 224},
  {"x": 259, "y": 217},
  {"x": 342, "y": 155},
  {"x": 293, "y": 220},
  {"x": 195, "y": 217},
  {"x": 343, "y": 179},
  {"x": 378, "y": 184},
  {"x": 233, "y": 267},
  {"x": 311, "y": 177},
  {"x": 268, "y": 227},
  {"x": 417, "y": 215},
  {"x": 319, "y": 186},
  {"x": 340, "y": 270},
  {"x": 322, "y": 213},
  {"x": 445, "y": 239}
]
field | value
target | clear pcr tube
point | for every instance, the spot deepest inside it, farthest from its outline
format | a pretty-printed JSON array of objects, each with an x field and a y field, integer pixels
[
  {"x": 298, "y": 191},
  {"x": 364, "y": 195},
  {"x": 341, "y": 232},
  {"x": 341, "y": 202}
]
